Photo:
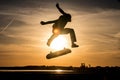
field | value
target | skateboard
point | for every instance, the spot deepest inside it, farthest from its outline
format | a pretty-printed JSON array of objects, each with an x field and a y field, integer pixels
[{"x": 58, "y": 53}]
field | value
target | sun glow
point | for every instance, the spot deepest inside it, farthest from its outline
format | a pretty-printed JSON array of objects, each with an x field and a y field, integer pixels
[
  {"x": 59, "y": 43},
  {"x": 58, "y": 70}
]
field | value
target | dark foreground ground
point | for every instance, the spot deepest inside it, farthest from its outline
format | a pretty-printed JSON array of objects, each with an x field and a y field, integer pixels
[
  {"x": 59, "y": 73},
  {"x": 39, "y": 75}
]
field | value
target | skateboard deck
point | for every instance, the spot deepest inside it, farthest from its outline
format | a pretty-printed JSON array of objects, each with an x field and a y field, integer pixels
[{"x": 58, "y": 53}]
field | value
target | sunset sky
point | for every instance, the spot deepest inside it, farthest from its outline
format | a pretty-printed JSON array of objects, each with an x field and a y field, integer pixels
[{"x": 23, "y": 39}]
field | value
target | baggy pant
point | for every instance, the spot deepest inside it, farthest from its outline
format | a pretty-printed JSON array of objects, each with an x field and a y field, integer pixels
[{"x": 64, "y": 31}]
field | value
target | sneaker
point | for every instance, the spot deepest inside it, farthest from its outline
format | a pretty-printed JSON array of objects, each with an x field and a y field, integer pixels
[{"x": 74, "y": 45}]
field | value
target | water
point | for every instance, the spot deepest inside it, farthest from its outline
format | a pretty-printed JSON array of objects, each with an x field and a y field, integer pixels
[
  {"x": 47, "y": 71},
  {"x": 53, "y": 75}
]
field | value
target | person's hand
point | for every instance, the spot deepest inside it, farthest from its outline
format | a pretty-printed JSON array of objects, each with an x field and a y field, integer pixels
[
  {"x": 42, "y": 22},
  {"x": 57, "y": 5}
]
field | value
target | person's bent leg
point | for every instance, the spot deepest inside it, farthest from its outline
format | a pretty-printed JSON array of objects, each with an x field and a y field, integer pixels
[
  {"x": 51, "y": 39},
  {"x": 72, "y": 36}
]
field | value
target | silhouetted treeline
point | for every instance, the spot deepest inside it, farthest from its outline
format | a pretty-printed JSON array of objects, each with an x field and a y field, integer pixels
[{"x": 37, "y": 68}]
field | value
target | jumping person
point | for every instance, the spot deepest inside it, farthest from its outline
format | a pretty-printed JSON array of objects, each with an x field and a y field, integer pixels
[{"x": 59, "y": 27}]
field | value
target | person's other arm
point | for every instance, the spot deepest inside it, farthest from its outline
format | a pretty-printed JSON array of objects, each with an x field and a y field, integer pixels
[
  {"x": 48, "y": 22},
  {"x": 58, "y": 7}
]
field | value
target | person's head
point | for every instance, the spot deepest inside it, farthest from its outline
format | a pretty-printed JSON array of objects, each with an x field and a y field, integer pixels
[{"x": 68, "y": 17}]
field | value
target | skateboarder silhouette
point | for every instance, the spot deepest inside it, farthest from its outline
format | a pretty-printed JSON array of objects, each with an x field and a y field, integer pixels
[{"x": 59, "y": 27}]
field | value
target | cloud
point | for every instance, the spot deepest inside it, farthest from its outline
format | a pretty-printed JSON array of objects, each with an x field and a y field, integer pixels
[
  {"x": 109, "y": 4},
  {"x": 117, "y": 35},
  {"x": 91, "y": 4},
  {"x": 7, "y": 40},
  {"x": 117, "y": 57},
  {"x": 7, "y": 25}
]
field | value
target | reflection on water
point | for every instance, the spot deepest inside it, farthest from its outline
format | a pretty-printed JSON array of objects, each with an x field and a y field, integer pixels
[{"x": 56, "y": 71}]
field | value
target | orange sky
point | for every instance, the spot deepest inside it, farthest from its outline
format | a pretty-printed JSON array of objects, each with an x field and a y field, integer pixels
[{"x": 24, "y": 41}]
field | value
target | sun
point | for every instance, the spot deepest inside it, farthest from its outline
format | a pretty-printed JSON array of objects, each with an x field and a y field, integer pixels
[{"x": 59, "y": 43}]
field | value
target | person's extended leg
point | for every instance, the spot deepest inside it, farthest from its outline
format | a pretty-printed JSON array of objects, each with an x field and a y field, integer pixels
[
  {"x": 51, "y": 39},
  {"x": 72, "y": 36}
]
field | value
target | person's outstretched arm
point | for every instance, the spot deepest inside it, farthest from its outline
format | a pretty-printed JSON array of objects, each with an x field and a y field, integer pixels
[
  {"x": 48, "y": 22},
  {"x": 58, "y": 7}
]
